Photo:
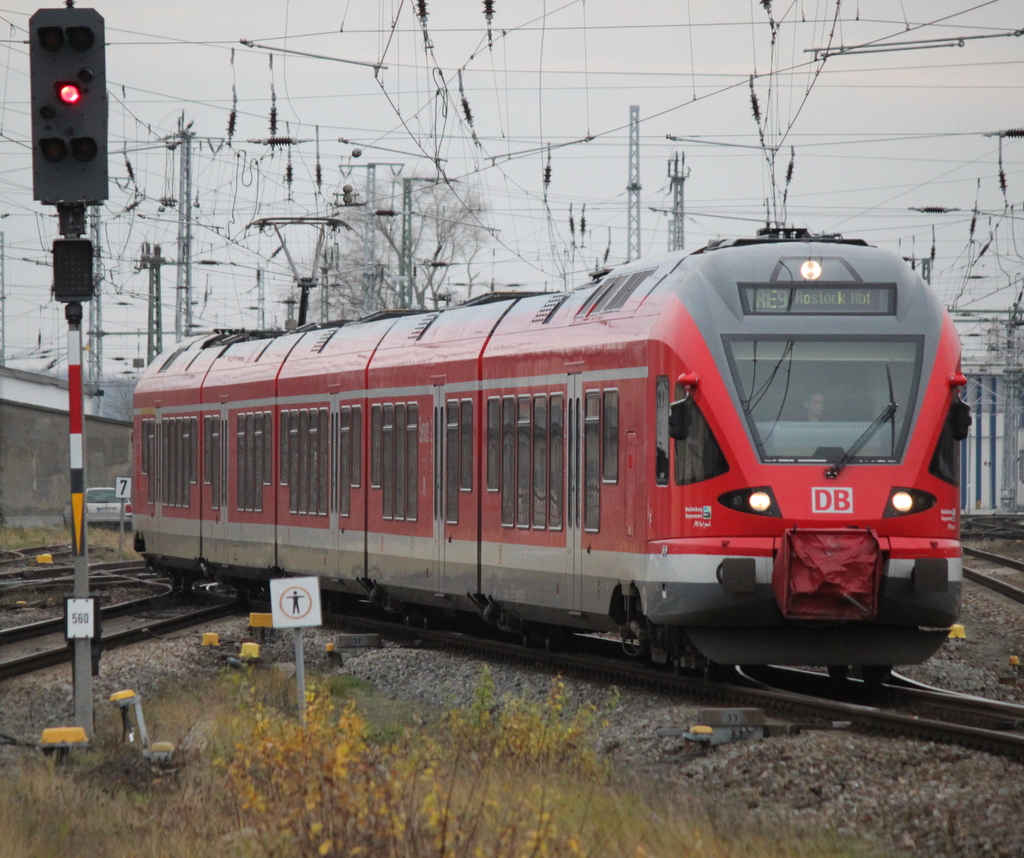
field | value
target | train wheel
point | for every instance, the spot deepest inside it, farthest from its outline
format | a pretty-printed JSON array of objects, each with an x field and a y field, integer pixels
[
  {"x": 838, "y": 672},
  {"x": 875, "y": 674}
]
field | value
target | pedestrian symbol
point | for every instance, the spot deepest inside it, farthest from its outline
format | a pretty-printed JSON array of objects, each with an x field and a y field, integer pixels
[{"x": 295, "y": 602}]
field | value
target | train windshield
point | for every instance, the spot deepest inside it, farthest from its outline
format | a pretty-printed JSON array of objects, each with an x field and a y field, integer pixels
[{"x": 815, "y": 399}]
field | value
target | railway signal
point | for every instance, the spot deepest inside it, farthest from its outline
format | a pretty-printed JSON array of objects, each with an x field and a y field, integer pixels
[
  {"x": 68, "y": 74},
  {"x": 69, "y": 106}
]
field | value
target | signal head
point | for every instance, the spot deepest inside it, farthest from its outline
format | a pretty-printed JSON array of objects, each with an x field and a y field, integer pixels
[{"x": 69, "y": 106}]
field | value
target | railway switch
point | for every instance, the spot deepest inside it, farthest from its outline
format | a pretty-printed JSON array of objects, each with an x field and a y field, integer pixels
[{"x": 44, "y": 558}]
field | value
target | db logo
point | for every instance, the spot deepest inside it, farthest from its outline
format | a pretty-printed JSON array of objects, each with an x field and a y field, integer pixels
[{"x": 832, "y": 500}]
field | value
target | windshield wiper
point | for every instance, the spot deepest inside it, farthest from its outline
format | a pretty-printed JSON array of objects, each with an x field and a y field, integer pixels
[{"x": 888, "y": 413}]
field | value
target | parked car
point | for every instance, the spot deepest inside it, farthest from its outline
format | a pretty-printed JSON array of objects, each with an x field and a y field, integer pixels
[{"x": 102, "y": 507}]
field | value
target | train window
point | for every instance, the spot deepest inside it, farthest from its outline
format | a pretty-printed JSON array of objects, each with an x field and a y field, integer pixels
[
  {"x": 253, "y": 460},
  {"x": 413, "y": 458},
  {"x": 283, "y": 457},
  {"x": 376, "y": 442},
  {"x": 357, "y": 446},
  {"x": 268, "y": 448},
  {"x": 811, "y": 400},
  {"x": 335, "y": 463},
  {"x": 388, "y": 461},
  {"x": 556, "y": 451},
  {"x": 452, "y": 463},
  {"x": 256, "y": 461},
  {"x": 301, "y": 486},
  {"x": 184, "y": 467},
  {"x": 401, "y": 462},
  {"x": 321, "y": 473},
  {"x": 698, "y": 455},
  {"x": 610, "y": 438},
  {"x": 493, "y": 444},
  {"x": 466, "y": 446},
  {"x": 176, "y": 463},
  {"x": 540, "y": 462},
  {"x": 148, "y": 450},
  {"x": 193, "y": 450},
  {"x": 240, "y": 486},
  {"x": 313, "y": 463},
  {"x": 592, "y": 460},
  {"x": 661, "y": 405},
  {"x": 508, "y": 461},
  {"x": 256, "y": 458},
  {"x": 345, "y": 495},
  {"x": 294, "y": 432},
  {"x": 214, "y": 462},
  {"x": 945, "y": 463},
  {"x": 523, "y": 462}
]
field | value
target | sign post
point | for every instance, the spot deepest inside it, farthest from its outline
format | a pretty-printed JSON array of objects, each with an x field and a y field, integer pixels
[
  {"x": 123, "y": 492},
  {"x": 295, "y": 604}
]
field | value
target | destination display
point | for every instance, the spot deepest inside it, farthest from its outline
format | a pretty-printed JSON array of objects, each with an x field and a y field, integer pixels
[{"x": 821, "y": 299}]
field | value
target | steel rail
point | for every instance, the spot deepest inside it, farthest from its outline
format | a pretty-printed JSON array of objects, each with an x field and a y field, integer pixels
[
  {"x": 46, "y": 627},
  {"x": 144, "y": 631},
  {"x": 786, "y": 704}
]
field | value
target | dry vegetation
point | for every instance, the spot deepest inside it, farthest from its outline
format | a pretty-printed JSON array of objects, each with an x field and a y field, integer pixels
[
  {"x": 102, "y": 542},
  {"x": 365, "y": 777}
]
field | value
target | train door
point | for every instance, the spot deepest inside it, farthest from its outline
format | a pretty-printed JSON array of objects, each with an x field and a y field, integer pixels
[
  {"x": 334, "y": 488},
  {"x": 155, "y": 542},
  {"x": 215, "y": 485},
  {"x": 573, "y": 492},
  {"x": 440, "y": 487}
]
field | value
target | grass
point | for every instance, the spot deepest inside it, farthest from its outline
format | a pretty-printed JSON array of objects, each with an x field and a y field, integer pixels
[
  {"x": 101, "y": 542},
  {"x": 367, "y": 776}
]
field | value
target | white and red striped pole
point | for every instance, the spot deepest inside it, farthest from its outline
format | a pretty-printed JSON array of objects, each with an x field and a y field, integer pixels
[{"x": 82, "y": 668}]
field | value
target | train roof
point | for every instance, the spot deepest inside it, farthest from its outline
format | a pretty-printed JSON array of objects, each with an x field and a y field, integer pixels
[{"x": 636, "y": 288}]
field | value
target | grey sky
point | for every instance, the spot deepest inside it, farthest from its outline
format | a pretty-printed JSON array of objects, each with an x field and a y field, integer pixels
[{"x": 873, "y": 135}]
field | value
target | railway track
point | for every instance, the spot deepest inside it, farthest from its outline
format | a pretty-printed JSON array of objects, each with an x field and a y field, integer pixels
[
  {"x": 900, "y": 708},
  {"x": 28, "y": 648},
  {"x": 1011, "y": 589}
]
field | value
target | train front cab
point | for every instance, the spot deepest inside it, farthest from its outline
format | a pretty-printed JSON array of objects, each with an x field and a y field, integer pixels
[{"x": 723, "y": 571}]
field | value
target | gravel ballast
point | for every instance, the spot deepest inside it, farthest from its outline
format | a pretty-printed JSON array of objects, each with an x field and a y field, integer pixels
[{"x": 903, "y": 796}]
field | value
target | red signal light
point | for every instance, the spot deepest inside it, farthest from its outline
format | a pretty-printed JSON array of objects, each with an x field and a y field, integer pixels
[{"x": 69, "y": 93}]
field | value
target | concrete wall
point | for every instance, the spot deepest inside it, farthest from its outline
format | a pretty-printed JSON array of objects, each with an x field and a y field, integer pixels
[{"x": 34, "y": 460}]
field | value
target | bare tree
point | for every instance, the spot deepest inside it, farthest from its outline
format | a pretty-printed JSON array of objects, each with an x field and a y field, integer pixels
[
  {"x": 117, "y": 399},
  {"x": 448, "y": 236}
]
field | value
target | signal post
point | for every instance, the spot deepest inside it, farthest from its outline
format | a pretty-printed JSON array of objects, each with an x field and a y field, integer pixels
[{"x": 69, "y": 170}]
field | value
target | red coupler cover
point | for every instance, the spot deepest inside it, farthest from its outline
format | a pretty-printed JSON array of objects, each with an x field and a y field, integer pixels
[{"x": 828, "y": 574}]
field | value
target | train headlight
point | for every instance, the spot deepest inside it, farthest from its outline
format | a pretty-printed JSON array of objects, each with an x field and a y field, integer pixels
[
  {"x": 904, "y": 501},
  {"x": 810, "y": 270},
  {"x": 758, "y": 500}
]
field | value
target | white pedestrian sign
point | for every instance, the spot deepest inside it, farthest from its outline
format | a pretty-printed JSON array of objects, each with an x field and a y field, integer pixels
[{"x": 295, "y": 602}]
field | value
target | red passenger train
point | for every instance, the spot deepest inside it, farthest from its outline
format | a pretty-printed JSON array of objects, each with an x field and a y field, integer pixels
[{"x": 748, "y": 454}]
